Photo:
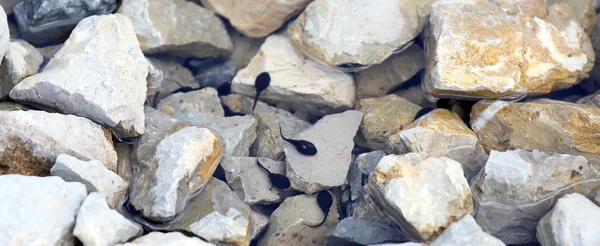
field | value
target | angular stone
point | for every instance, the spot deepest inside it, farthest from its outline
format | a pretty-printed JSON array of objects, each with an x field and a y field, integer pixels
[
  {"x": 8, "y": 5},
  {"x": 423, "y": 196},
  {"x": 100, "y": 74},
  {"x": 364, "y": 207},
  {"x": 171, "y": 162},
  {"x": 97, "y": 224},
  {"x": 360, "y": 169},
  {"x": 249, "y": 180},
  {"x": 21, "y": 60},
  {"x": 466, "y": 232},
  {"x": 94, "y": 175},
  {"x": 204, "y": 100},
  {"x": 304, "y": 84},
  {"x": 269, "y": 143},
  {"x": 38, "y": 211},
  {"x": 574, "y": 220},
  {"x": 165, "y": 78},
  {"x": 358, "y": 231},
  {"x": 384, "y": 116},
  {"x": 189, "y": 31},
  {"x": 215, "y": 73},
  {"x": 166, "y": 239},
  {"x": 584, "y": 12},
  {"x": 332, "y": 136},
  {"x": 30, "y": 141},
  {"x": 124, "y": 161},
  {"x": 259, "y": 223},
  {"x": 417, "y": 95},
  {"x": 244, "y": 48},
  {"x": 4, "y": 34},
  {"x": 517, "y": 188},
  {"x": 507, "y": 49}
]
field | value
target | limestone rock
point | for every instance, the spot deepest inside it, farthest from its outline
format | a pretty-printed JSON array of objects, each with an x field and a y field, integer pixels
[
  {"x": 166, "y": 239},
  {"x": 100, "y": 74},
  {"x": 4, "y": 33},
  {"x": 466, "y": 232},
  {"x": 584, "y": 12},
  {"x": 423, "y": 196},
  {"x": 508, "y": 49},
  {"x": 188, "y": 30},
  {"x": 30, "y": 141},
  {"x": 165, "y": 77},
  {"x": 296, "y": 80},
  {"x": 97, "y": 224},
  {"x": 205, "y": 100},
  {"x": 21, "y": 60},
  {"x": 332, "y": 136},
  {"x": 353, "y": 230},
  {"x": 249, "y": 180},
  {"x": 517, "y": 188},
  {"x": 244, "y": 48},
  {"x": 38, "y": 211}
]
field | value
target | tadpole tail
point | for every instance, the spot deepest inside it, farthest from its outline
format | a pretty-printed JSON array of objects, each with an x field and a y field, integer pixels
[{"x": 255, "y": 101}]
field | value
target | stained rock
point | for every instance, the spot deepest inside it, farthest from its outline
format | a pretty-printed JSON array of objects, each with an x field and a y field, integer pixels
[
  {"x": 244, "y": 48},
  {"x": 584, "y": 12},
  {"x": 124, "y": 161},
  {"x": 4, "y": 34},
  {"x": 296, "y": 80},
  {"x": 166, "y": 77},
  {"x": 93, "y": 174},
  {"x": 423, "y": 196},
  {"x": 332, "y": 136},
  {"x": 98, "y": 224},
  {"x": 30, "y": 141},
  {"x": 358, "y": 231},
  {"x": 504, "y": 50},
  {"x": 166, "y": 239},
  {"x": 205, "y": 100},
  {"x": 100, "y": 73},
  {"x": 213, "y": 72},
  {"x": 517, "y": 188},
  {"x": 189, "y": 31},
  {"x": 249, "y": 180},
  {"x": 466, "y": 232},
  {"x": 21, "y": 60},
  {"x": 38, "y": 210}
]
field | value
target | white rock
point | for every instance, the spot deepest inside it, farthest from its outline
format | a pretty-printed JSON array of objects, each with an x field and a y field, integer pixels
[
  {"x": 166, "y": 239},
  {"x": 249, "y": 180},
  {"x": 583, "y": 10},
  {"x": 21, "y": 60},
  {"x": 205, "y": 100},
  {"x": 218, "y": 227},
  {"x": 466, "y": 232},
  {"x": 38, "y": 211},
  {"x": 295, "y": 80},
  {"x": 98, "y": 225},
  {"x": 4, "y": 33},
  {"x": 100, "y": 73},
  {"x": 93, "y": 174}
]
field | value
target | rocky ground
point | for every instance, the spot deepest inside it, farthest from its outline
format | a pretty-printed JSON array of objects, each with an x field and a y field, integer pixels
[{"x": 383, "y": 122}]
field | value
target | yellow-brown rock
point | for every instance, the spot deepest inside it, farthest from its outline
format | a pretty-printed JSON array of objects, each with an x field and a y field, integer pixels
[{"x": 583, "y": 10}]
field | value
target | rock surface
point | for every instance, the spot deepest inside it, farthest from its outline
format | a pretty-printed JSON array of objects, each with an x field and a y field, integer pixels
[
  {"x": 214, "y": 72},
  {"x": 165, "y": 77},
  {"x": 365, "y": 207},
  {"x": 249, "y": 180},
  {"x": 100, "y": 73},
  {"x": 124, "y": 161},
  {"x": 8, "y": 5},
  {"x": 359, "y": 231},
  {"x": 244, "y": 48},
  {"x": 466, "y": 232},
  {"x": 4, "y": 33},
  {"x": 204, "y": 100},
  {"x": 584, "y": 12},
  {"x": 166, "y": 239},
  {"x": 21, "y": 60},
  {"x": 360, "y": 169}
]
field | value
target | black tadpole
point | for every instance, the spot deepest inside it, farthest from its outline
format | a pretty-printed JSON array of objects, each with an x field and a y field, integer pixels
[
  {"x": 325, "y": 200},
  {"x": 422, "y": 112},
  {"x": 277, "y": 180},
  {"x": 261, "y": 83},
  {"x": 302, "y": 146}
]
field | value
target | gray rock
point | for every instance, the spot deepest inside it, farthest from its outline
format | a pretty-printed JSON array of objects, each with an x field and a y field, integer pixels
[
  {"x": 21, "y": 60},
  {"x": 13, "y": 29},
  {"x": 99, "y": 225},
  {"x": 466, "y": 232},
  {"x": 244, "y": 48},
  {"x": 8, "y": 5},
  {"x": 124, "y": 161},
  {"x": 166, "y": 239},
  {"x": 259, "y": 223},
  {"x": 365, "y": 207},
  {"x": 204, "y": 100},
  {"x": 38, "y": 211},
  {"x": 74, "y": 83},
  {"x": 354, "y": 230},
  {"x": 214, "y": 73},
  {"x": 249, "y": 180},
  {"x": 332, "y": 136},
  {"x": 415, "y": 94},
  {"x": 165, "y": 77},
  {"x": 360, "y": 169},
  {"x": 4, "y": 34}
]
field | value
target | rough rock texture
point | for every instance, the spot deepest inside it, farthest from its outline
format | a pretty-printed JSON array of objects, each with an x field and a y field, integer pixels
[
  {"x": 360, "y": 169},
  {"x": 507, "y": 49},
  {"x": 259, "y": 223},
  {"x": 365, "y": 207},
  {"x": 21, "y": 60},
  {"x": 214, "y": 72},
  {"x": 187, "y": 30},
  {"x": 166, "y": 239},
  {"x": 99, "y": 225},
  {"x": 466, "y": 232},
  {"x": 249, "y": 180},
  {"x": 384, "y": 116},
  {"x": 171, "y": 162},
  {"x": 584, "y": 12},
  {"x": 345, "y": 33},
  {"x": 30, "y": 141},
  {"x": 354, "y": 230},
  {"x": 296, "y": 80},
  {"x": 165, "y": 77},
  {"x": 205, "y": 100},
  {"x": 574, "y": 220},
  {"x": 332, "y": 136},
  {"x": 4, "y": 34},
  {"x": 38, "y": 211},
  {"x": 423, "y": 196},
  {"x": 244, "y": 48},
  {"x": 94, "y": 175},
  {"x": 517, "y": 188},
  {"x": 100, "y": 73}
]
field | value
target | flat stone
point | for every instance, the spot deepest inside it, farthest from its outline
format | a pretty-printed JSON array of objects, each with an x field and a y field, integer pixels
[
  {"x": 504, "y": 50},
  {"x": 360, "y": 169},
  {"x": 124, "y": 169},
  {"x": 213, "y": 72},
  {"x": 269, "y": 143},
  {"x": 517, "y": 188},
  {"x": 100, "y": 74},
  {"x": 30, "y": 141},
  {"x": 8, "y": 5},
  {"x": 359, "y": 231},
  {"x": 466, "y": 232},
  {"x": 574, "y": 220},
  {"x": 38, "y": 211},
  {"x": 171, "y": 162},
  {"x": 190, "y": 31},
  {"x": 384, "y": 116},
  {"x": 21, "y": 60},
  {"x": 332, "y": 136},
  {"x": 423, "y": 196},
  {"x": 304, "y": 84},
  {"x": 166, "y": 77},
  {"x": 584, "y": 12},
  {"x": 166, "y": 239},
  {"x": 4, "y": 34},
  {"x": 244, "y": 48},
  {"x": 204, "y": 100},
  {"x": 98, "y": 224},
  {"x": 249, "y": 180},
  {"x": 94, "y": 175}
]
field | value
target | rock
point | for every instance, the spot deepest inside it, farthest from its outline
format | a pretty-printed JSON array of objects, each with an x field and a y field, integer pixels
[
  {"x": 45, "y": 22},
  {"x": 30, "y": 141},
  {"x": 256, "y": 18},
  {"x": 166, "y": 78},
  {"x": 100, "y": 74},
  {"x": 249, "y": 180},
  {"x": 360, "y": 169},
  {"x": 4, "y": 33},
  {"x": 244, "y": 48},
  {"x": 8, "y": 5},
  {"x": 346, "y": 34},
  {"x": 358, "y": 231},
  {"x": 259, "y": 223},
  {"x": 517, "y": 188},
  {"x": 269, "y": 143},
  {"x": 205, "y": 100},
  {"x": 288, "y": 227},
  {"x": 49, "y": 51},
  {"x": 332, "y": 136},
  {"x": 379, "y": 80},
  {"x": 423, "y": 196},
  {"x": 584, "y": 12},
  {"x": 10, "y": 106},
  {"x": 171, "y": 162},
  {"x": 38, "y": 211},
  {"x": 574, "y": 220},
  {"x": 384, "y": 116},
  {"x": 415, "y": 94},
  {"x": 97, "y": 224},
  {"x": 94, "y": 175},
  {"x": 166, "y": 239},
  {"x": 535, "y": 49},
  {"x": 466, "y": 232},
  {"x": 296, "y": 80},
  {"x": 13, "y": 29},
  {"x": 21, "y": 60},
  {"x": 364, "y": 207},
  {"x": 124, "y": 161},
  {"x": 190, "y": 31},
  {"x": 213, "y": 72}
]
